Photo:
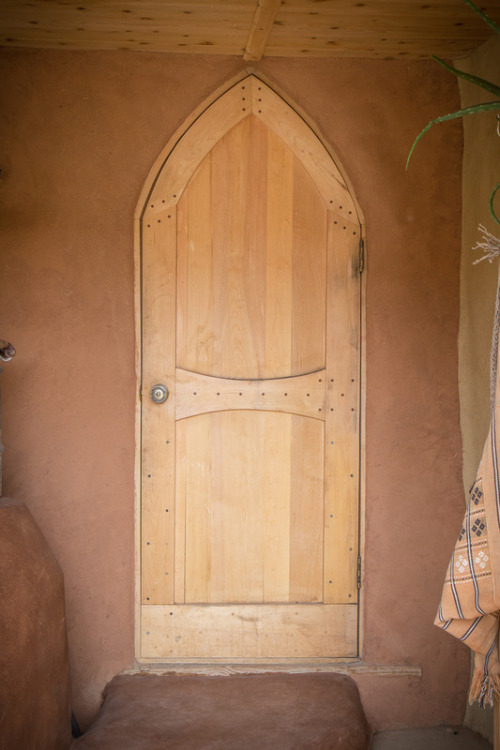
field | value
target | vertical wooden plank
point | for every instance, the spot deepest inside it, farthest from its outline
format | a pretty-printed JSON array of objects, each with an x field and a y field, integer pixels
[
  {"x": 199, "y": 574},
  {"x": 309, "y": 274},
  {"x": 195, "y": 282},
  {"x": 253, "y": 256},
  {"x": 158, "y": 433},
  {"x": 306, "y": 510},
  {"x": 180, "y": 512},
  {"x": 234, "y": 347},
  {"x": 194, "y": 351},
  {"x": 182, "y": 281},
  {"x": 218, "y": 529},
  {"x": 277, "y": 464},
  {"x": 342, "y": 417},
  {"x": 242, "y": 499},
  {"x": 279, "y": 258}
]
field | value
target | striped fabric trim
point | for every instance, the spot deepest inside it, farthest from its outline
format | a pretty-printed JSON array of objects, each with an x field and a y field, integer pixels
[
  {"x": 490, "y": 650},
  {"x": 453, "y": 587},
  {"x": 471, "y": 629},
  {"x": 471, "y": 563},
  {"x": 446, "y": 623}
]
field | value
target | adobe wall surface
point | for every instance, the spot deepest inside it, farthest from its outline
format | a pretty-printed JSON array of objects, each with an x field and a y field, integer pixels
[{"x": 78, "y": 135}]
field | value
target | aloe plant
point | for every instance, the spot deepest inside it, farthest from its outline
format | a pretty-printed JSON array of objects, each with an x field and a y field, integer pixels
[{"x": 476, "y": 108}]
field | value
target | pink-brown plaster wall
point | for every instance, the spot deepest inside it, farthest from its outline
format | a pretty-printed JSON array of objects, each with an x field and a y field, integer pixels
[{"x": 78, "y": 134}]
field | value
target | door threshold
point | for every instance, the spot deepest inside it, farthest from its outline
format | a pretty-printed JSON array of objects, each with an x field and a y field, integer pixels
[{"x": 214, "y": 667}]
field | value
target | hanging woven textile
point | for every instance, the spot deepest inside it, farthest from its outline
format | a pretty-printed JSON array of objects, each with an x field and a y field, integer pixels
[{"x": 470, "y": 601}]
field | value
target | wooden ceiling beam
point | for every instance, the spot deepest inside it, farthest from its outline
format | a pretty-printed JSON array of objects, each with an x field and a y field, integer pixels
[{"x": 262, "y": 23}]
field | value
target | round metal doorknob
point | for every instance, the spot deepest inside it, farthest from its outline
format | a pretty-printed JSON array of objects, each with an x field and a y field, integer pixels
[{"x": 159, "y": 394}]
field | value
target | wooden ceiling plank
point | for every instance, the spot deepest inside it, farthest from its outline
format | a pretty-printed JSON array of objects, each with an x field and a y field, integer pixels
[
  {"x": 262, "y": 23},
  {"x": 452, "y": 17},
  {"x": 368, "y": 50},
  {"x": 193, "y": 26},
  {"x": 293, "y": 28}
]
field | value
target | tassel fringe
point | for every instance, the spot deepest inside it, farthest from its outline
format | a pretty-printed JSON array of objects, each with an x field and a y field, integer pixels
[
  {"x": 483, "y": 690},
  {"x": 490, "y": 247}
]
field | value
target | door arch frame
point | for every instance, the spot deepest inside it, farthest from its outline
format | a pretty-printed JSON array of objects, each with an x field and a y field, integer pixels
[{"x": 348, "y": 205}]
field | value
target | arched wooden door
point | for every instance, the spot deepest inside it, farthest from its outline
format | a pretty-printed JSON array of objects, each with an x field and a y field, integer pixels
[{"x": 250, "y": 318}]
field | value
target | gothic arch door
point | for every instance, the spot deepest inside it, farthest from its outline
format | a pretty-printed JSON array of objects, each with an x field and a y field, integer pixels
[{"x": 250, "y": 318}]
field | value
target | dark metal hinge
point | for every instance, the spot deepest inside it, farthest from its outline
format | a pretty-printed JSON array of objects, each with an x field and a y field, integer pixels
[
  {"x": 359, "y": 572},
  {"x": 361, "y": 255}
]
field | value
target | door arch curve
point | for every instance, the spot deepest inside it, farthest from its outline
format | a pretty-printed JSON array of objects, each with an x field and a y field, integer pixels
[{"x": 248, "y": 241}]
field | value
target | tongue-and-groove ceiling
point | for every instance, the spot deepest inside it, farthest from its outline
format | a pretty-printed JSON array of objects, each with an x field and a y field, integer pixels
[{"x": 251, "y": 29}]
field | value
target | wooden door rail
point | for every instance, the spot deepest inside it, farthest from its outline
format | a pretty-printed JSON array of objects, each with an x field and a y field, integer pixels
[{"x": 199, "y": 394}]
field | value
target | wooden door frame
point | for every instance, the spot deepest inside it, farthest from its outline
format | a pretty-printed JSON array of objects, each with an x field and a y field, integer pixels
[{"x": 148, "y": 187}]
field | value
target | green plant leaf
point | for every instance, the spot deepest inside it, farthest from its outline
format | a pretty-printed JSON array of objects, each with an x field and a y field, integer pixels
[
  {"x": 492, "y": 210},
  {"x": 483, "y": 15},
  {"x": 459, "y": 113},
  {"x": 487, "y": 85}
]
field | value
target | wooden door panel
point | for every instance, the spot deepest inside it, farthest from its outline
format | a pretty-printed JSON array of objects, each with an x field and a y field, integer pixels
[
  {"x": 243, "y": 512},
  {"x": 249, "y": 535},
  {"x": 251, "y": 318},
  {"x": 251, "y": 251}
]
